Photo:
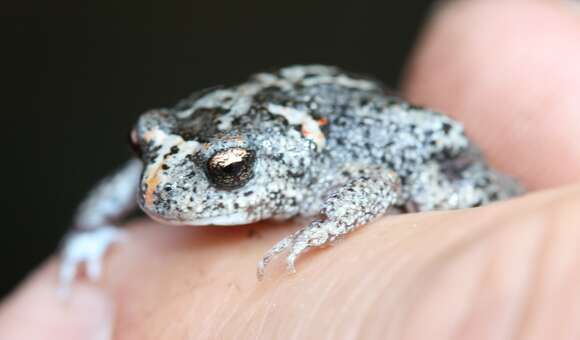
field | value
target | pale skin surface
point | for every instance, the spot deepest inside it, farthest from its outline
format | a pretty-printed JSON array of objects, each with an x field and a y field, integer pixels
[{"x": 506, "y": 271}]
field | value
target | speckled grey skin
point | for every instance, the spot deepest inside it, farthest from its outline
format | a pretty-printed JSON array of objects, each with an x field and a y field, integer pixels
[{"x": 304, "y": 140}]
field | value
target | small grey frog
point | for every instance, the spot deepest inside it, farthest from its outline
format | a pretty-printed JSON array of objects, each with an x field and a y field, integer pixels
[{"x": 303, "y": 140}]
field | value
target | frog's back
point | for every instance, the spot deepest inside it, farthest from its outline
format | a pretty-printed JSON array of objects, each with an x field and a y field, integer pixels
[
  {"x": 348, "y": 117},
  {"x": 320, "y": 92}
]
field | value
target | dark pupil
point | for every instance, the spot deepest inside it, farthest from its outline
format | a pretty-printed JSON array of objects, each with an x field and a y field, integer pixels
[
  {"x": 233, "y": 169},
  {"x": 233, "y": 175}
]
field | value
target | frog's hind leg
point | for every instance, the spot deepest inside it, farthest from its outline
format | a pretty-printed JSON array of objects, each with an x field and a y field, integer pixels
[
  {"x": 369, "y": 194},
  {"x": 462, "y": 182}
]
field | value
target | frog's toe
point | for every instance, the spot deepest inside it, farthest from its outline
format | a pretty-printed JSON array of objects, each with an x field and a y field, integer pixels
[
  {"x": 297, "y": 249},
  {"x": 278, "y": 248},
  {"x": 88, "y": 248},
  {"x": 296, "y": 244}
]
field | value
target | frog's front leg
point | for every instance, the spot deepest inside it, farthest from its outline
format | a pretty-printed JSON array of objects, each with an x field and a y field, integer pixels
[
  {"x": 368, "y": 194},
  {"x": 93, "y": 229}
]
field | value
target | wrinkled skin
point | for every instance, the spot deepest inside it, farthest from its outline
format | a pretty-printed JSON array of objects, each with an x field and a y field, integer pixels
[{"x": 504, "y": 271}]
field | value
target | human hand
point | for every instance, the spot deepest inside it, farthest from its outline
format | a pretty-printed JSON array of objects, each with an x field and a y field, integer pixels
[{"x": 508, "y": 70}]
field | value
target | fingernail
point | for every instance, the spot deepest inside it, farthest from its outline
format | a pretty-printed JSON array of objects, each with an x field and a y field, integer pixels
[{"x": 37, "y": 311}]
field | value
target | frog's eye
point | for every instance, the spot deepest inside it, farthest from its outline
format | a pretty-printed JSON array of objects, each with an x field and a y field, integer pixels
[
  {"x": 231, "y": 168},
  {"x": 134, "y": 143}
]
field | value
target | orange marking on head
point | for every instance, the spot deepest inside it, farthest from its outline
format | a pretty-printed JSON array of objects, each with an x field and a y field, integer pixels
[
  {"x": 148, "y": 136},
  {"x": 322, "y": 121},
  {"x": 152, "y": 183}
]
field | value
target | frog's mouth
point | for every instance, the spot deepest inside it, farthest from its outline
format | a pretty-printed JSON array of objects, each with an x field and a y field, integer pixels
[
  {"x": 224, "y": 220},
  {"x": 238, "y": 218}
]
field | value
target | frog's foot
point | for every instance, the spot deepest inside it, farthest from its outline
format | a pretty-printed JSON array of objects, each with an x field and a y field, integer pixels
[
  {"x": 86, "y": 247},
  {"x": 316, "y": 234},
  {"x": 354, "y": 204}
]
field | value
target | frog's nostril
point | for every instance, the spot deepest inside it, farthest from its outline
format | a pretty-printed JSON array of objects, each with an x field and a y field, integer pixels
[{"x": 134, "y": 144}]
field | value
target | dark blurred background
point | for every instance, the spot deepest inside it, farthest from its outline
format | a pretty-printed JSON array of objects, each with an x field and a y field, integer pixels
[{"x": 77, "y": 75}]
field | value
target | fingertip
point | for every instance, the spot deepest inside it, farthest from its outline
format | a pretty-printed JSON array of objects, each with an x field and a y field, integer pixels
[
  {"x": 508, "y": 71},
  {"x": 36, "y": 310}
]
